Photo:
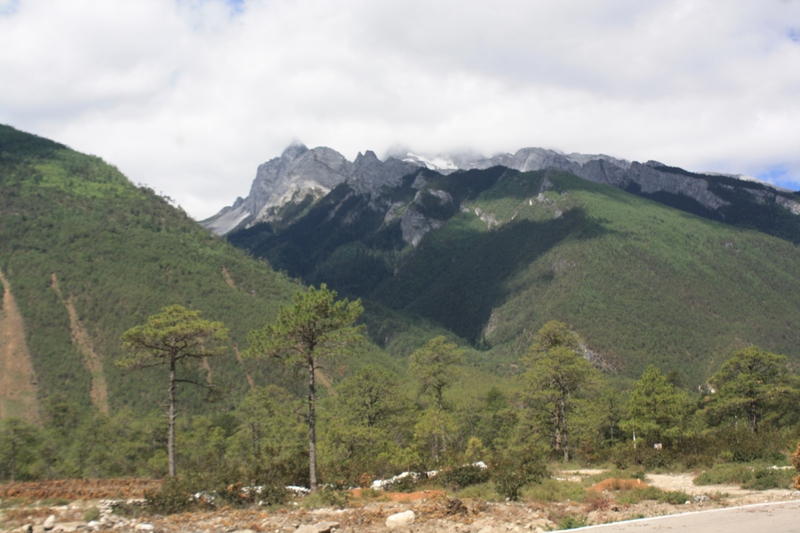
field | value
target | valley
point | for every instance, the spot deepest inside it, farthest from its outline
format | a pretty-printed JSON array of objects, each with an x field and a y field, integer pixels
[{"x": 521, "y": 316}]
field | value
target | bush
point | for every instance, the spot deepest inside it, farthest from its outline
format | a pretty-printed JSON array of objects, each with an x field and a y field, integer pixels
[
  {"x": 625, "y": 455},
  {"x": 93, "y": 513},
  {"x": 769, "y": 478},
  {"x": 182, "y": 494},
  {"x": 269, "y": 494},
  {"x": 551, "y": 490},
  {"x": 463, "y": 476},
  {"x": 675, "y": 497},
  {"x": 515, "y": 470},
  {"x": 573, "y": 521},
  {"x": 728, "y": 474},
  {"x": 174, "y": 496},
  {"x": 596, "y": 501},
  {"x": 653, "y": 493},
  {"x": 484, "y": 491},
  {"x": 327, "y": 497},
  {"x": 746, "y": 446},
  {"x": 796, "y": 458}
]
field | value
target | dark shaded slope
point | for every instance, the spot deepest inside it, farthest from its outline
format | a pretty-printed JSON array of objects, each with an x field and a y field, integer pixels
[
  {"x": 642, "y": 282},
  {"x": 748, "y": 204}
]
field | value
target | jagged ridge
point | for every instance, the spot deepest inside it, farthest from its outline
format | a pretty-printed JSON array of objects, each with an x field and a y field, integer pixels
[{"x": 301, "y": 176}]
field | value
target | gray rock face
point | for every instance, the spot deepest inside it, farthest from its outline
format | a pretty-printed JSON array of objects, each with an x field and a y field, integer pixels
[
  {"x": 608, "y": 170},
  {"x": 300, "y": 172}
]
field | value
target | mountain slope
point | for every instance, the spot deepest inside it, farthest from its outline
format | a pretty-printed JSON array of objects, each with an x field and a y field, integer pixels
[
  {"x": 87, "y": 255},
  {"x": 285, "y": 187},
  {"x": 502, "y": 252}
]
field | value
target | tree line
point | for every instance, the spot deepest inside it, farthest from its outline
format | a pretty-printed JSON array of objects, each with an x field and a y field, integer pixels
[{"x": 376, "y": 424}]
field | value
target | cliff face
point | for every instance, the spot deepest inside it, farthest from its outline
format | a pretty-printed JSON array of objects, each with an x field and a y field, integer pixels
[{"x": 299, "y": 174}]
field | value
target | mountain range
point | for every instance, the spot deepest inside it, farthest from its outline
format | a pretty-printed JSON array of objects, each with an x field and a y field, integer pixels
[
  {"x": 301, "y": 175},
  {"x": 649, "y": 264}
]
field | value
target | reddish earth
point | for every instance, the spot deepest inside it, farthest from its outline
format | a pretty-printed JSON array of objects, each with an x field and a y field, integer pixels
[
  {"x": 401, "y": 496},
  {"x": 618, "y": 484},
  {"x": 17, "y": 379},
  {"x": 83, "y": 489}
]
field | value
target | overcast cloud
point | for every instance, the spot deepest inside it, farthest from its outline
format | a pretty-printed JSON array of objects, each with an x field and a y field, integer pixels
[{"x": 190, "y": 96}]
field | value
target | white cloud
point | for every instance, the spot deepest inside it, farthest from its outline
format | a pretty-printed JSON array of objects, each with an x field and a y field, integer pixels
[{"x": 189, "y": 96}]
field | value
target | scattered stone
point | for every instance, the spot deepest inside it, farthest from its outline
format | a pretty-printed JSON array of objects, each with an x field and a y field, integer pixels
[
  {"x": 320, "y": 527},
  {"x": 50, "y": 523},
  {"x": 26, "y": 528},
  {"x": 404, "y": 519},
  {"x": 144, "y": 527},
  {"x": 69, "y": 527}
]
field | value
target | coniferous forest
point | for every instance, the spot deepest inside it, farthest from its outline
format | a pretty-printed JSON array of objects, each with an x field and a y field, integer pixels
[{"x": 590, "y": 327}]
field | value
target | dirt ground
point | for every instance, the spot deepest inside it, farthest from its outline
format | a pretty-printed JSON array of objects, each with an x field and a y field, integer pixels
[{"x": 87, "y": 506}]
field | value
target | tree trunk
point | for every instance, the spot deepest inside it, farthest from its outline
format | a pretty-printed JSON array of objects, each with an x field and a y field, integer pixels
[
  {"x": 13, "y": 459},
  {"x": 312, "y": 430},
  {"x": 557, "y": 426},
  {"x": 171, "y": 416},
  {"x": 563, "y": 408}
]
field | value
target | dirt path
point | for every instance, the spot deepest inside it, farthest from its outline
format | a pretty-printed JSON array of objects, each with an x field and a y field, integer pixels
[
  {"x": 246, "y": 373},
  {"x": 17, "y": 379},
  {"x": 92, "y": 361},
  {"x": 228, "y": 278},
  {"x": 732, "y": 493}
]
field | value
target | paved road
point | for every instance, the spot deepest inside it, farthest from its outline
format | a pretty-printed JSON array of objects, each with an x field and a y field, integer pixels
[{"x": 778, "y": 517}]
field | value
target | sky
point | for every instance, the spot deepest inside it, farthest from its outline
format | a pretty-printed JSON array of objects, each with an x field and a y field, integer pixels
[{"x": 189, "y": 96}]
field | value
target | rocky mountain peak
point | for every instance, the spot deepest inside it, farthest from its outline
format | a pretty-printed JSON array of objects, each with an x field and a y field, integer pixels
[
  {"x": 293, "y": 151},
  {"x": 300, "y": 172}
]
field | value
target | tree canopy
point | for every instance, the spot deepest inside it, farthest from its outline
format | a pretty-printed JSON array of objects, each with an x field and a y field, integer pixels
[
  {"x": 175, "y": 335},
  {"x": 435, "y": 366},
  {"x": 656, "y": 409},
  {"x": 749, "y": 384},
  {"x": 556, "y": 371},
  {"x": 316, "y": 327}
]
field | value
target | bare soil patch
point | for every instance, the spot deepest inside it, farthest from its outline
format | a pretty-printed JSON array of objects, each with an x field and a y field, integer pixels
[
  {"x": 17, "y": 378},
  {"x": 618, "y": 484},
  {"x": 92, "y": 361},
  {"x": 79, "y": 489},
  {"x": 434, "y": 510},
  {"x": 402, "y": 496}
]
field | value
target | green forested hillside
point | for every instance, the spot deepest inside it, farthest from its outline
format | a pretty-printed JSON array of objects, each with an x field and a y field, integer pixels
[
  {"x": 77, "y": 238},
  {"x": 529, "y": 275},
  {"x": 640, "y": 281}
]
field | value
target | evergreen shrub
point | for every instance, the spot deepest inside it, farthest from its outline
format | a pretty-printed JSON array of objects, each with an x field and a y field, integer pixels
[{"x": 463, "y": 476}]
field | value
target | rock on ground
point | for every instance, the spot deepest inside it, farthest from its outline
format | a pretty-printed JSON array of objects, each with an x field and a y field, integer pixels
[{"x": 404, "y": 519}]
